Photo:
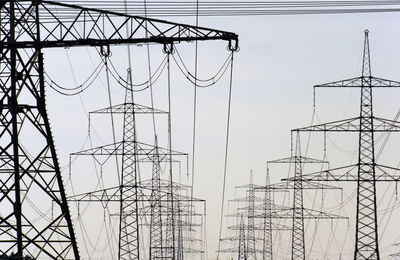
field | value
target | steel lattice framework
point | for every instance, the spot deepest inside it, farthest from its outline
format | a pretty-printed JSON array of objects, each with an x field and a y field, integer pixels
[
  {"x": 242, "y": 252},
  {"x": 298, "y": 213},
  {"x": 368, "y": 171},
  {"x": 30, "y": 171}
]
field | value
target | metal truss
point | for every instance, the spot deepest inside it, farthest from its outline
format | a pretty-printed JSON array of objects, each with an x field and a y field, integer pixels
[
  {"x": 298, "y": 213},
  {"x": 242, "y": 252},
  {"x": 66, "y": 25},
  {"x": 368, "y": 172}
]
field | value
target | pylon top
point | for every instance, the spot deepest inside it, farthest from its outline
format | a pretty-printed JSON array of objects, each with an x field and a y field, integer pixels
[{"x": 366, "y": 69}]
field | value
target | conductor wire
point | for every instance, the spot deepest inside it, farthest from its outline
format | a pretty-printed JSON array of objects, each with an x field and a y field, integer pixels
[
  {"x": 106, "y": 55},
  {"x": 194, "y": 120},
  {"x": 226, "y": 157}
]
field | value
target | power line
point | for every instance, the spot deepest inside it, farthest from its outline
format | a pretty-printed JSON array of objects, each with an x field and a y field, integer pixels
[{"x": 240, "y": 8}]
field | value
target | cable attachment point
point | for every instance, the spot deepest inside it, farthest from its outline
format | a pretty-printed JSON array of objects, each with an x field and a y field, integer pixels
[
  {"x": 105, "y": 50},
  {"x": 168, "y": 48},
  {"x": 233, "y": 45}
]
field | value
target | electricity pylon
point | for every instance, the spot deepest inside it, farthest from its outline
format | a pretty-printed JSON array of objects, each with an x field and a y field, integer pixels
[
  {"x": 368, "y": 171},
  {"x": 298, "y": 213},
  {"x": 250, "y": 212},
  {"x": 31, "y": 169}
]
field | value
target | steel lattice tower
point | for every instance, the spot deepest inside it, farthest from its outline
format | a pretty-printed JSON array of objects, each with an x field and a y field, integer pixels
[
  {"x": 156, "y": 227},
  {"x": 298, "y": 244},
  {"x": 271, "y": 211},
  {"x": 251, "y": 229},
  {"x": 30, "y": 171},
  {"x": 368, "y": 171},
  {"x": 367, "y": 223},
  {"x": 129, "y": 225},
  {"x": 242, "y": 252},
  {"x": 298, "y": 213},
  {"x": 267, "y": 222}
]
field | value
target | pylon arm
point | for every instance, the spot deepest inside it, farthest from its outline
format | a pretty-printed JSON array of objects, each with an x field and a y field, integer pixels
[
  {"x": 235, "y": 250},
  {"x": 165, "y": 185},
  {"x": 274, "y": 226},
  {"x": 260, "y": 207},
  {"x": 359, "y": 82},
  {"x": 146, "y": 212},
  {"x": 247, "y": 186},
  {"x": 349, "y": 173},
  {"x": 184, "y": 224},
  {"x": 307, "y": 214},
  {"x": 113, "y": 194},
  {"x": 294, "y": 159},
  {"x": 386, "y": 125},
  {"x": 192, "y": 251},
  {"x": 289, "y": 185},
  {"x": 116, "y": 149},
  {"x": 233, "y": 239},
  {"x": 66, "y": 25},
  {"x": 128, "y": 108},
  {"x": 246, "y": 199},
  {"x": 352, "y": 125},
  {"x": 345, "y": 125}
]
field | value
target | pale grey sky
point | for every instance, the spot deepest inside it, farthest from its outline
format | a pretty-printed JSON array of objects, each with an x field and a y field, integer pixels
[{"x": 280, "y": 59}]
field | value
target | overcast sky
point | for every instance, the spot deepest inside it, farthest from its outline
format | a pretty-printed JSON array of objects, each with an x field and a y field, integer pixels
[{"x": 280, "y": 59}]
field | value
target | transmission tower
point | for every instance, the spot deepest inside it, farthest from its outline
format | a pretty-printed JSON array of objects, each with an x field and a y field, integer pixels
[
  {"x": 298, "y": 213},
  {"x": 251, "y": 228},
  {"x": 267, "y": 222},
  {"x": 156, "y": 241},
  {"x": 251, "y": 212},
  {"x": 32, "y": 170},
  {"x": 242, "y": 252},
  {"x": 368, "y": 171}
]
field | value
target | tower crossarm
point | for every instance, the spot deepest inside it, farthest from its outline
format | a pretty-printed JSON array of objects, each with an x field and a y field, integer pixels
[
  {"x": 113, "y": 194},
  {"x": 289, "y": 185},
  {"x": 358, "y": 82},
  {"x": 293, "y": 159},
  {"x": 352, "y": 125},
  {"x": 235, "y": 250},
  {"x": 307, "y": 214},
  {"x": 116, "y": 149},
  {"x": 245, "y": 199},
  {"x": 274, "y": 226},
  {"x": 261, "y": 207},
  {"x": 349, "y": 173},
  {"x": 128, "y": 108},
  {"x": 193, "y": 251},
  {"x": 67, "y": 25}
]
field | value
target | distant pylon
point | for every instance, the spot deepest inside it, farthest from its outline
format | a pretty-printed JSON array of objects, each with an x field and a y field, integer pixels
[
  {"x": 298, "y": 213},
  {"x": 251, "y": 229},
  {"x": 156, "y": 225},
  {"x": 267, "y": 222},
  {"x": 242, "y": 253}
]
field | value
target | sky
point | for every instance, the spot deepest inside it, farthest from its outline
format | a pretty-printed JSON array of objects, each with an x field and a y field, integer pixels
[{"x": 281, "y": 58}]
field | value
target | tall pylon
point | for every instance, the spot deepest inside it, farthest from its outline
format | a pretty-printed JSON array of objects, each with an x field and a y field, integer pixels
[
  {"x": 366, "y": 220},
  {"x": 368, "y": 171},
  {"x": 298, "y": 243},
  {"x": 128, "y": 222}
]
